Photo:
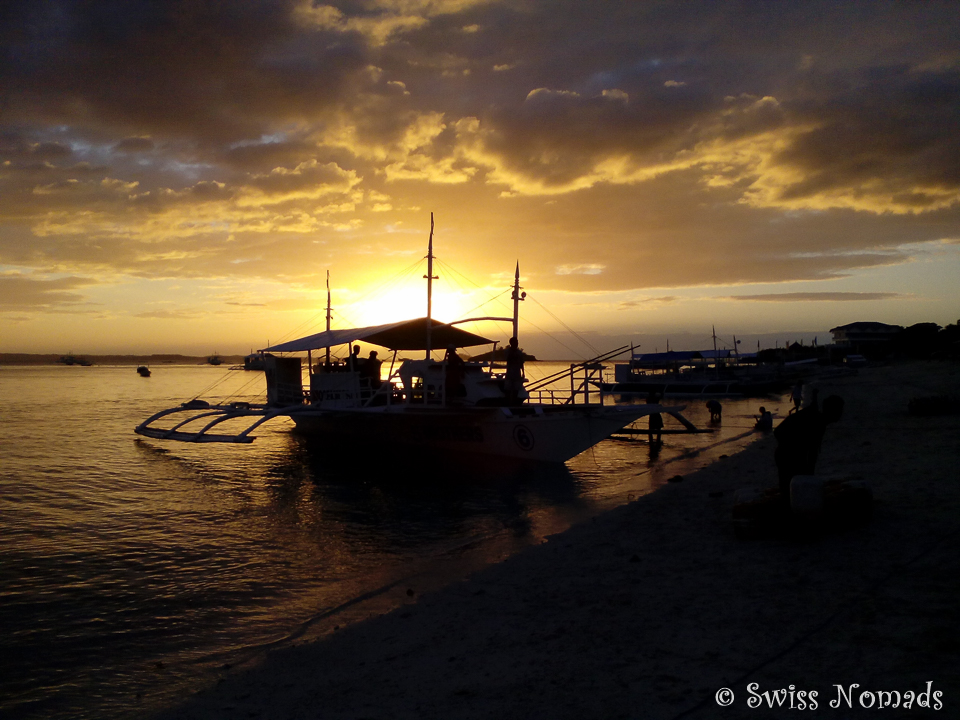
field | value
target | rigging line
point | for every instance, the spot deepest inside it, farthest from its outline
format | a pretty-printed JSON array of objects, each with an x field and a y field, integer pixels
[
  {"x": 236, "y": 393},
  {"x": 576, "y": 353},
  {"x": 568, "y": 328},
  {"x": 496, "y": 297},
  {"x": 453, "y": 270},
  {"x": 211, "y": 387}
]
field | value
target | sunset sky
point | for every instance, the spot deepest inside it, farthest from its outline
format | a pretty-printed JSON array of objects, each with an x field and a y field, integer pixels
[{"x": 180, "y": 176}]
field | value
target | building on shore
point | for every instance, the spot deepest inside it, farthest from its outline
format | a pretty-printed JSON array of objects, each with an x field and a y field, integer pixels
[{"x": 867, "y": 338}]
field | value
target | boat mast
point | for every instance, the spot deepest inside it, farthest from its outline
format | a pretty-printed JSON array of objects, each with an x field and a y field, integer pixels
[
  {"x": 716, "y": 360},
  {"x": 329, "y": 315},
  {"x": 517, "y": 297},
  {"x": 430, "y": 278}
]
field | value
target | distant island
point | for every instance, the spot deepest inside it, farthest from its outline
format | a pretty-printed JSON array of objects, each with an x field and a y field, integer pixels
[{"x": 158, "y": 359}]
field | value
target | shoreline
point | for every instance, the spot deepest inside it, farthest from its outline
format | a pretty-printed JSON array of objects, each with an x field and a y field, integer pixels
[{"x": 650, "y": 608}]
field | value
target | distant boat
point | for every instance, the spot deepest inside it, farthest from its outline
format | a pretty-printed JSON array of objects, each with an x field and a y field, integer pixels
[
  {"x": 214, "y": 360},
  {"x": 143, "y": 371},
  {"x": 428, "y": 409},
  {"x": 73, "y": 360}
]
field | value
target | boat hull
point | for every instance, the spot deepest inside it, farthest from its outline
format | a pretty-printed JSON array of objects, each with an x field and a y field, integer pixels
[
  {"x": 528, "y": 434},
  {"x": 698, "y": 388}
]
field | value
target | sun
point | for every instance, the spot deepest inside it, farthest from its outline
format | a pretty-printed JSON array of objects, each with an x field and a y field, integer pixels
[{"x": 407, "y": 302}]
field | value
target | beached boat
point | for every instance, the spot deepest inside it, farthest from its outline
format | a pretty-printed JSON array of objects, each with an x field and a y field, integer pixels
[{"x": 437, "y": 409}]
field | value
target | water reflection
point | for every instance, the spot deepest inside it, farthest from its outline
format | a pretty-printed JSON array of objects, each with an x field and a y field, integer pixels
[{"x": 130, "y": 568}]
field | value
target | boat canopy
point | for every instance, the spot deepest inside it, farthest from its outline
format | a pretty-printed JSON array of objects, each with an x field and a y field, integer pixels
[{"x": 404, "y": 335}]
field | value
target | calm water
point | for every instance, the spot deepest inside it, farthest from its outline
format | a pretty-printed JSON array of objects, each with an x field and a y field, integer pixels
[{"x": 132, "y": 570}]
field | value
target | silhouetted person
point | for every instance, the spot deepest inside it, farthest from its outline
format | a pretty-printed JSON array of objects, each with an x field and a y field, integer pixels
[
  {"x": 455, "y": 373},
  {"x": 655, "y": 428},
  {"x": 797, "y": 396},
  {"x": 354, "y": 363},
  {"x": 799, "y": 437},
  {"x": 716, "y": 410},
  {"x": 513, "y": 383},
  {"x": 371, "y": 369},
  {"x": 764, "y": 420}
]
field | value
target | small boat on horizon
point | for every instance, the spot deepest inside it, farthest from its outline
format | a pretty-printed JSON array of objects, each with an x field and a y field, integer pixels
[
  {"x": 73, "y": 360},
  {"x": 143, "y": 371}
]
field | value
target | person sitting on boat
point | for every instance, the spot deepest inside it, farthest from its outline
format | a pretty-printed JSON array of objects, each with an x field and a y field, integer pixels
[
  {"x": 371, "y": 369},
  {"x": 716, "y": 410},
  {"x": 455, "y": 373},
  {"x": 514, "y": 380},
  {"x": 764, "y": 420}
]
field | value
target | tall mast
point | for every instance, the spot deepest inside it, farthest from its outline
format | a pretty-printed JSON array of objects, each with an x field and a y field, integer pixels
[
  {"x": 430, "y": 278},
  {"x": 329, "y": 315},
  {"x": 517, "y": 297},
  {"x": 716, "y": 360}
]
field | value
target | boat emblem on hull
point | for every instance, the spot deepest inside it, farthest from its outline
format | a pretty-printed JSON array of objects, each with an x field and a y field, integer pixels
[{"x": 523, "y": 437}]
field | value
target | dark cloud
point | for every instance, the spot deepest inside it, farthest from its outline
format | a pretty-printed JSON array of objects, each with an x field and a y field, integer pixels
[
  {"x": 893, "y": 136},
  {"x": 135, "y": 145},
  {"x": 191, "y": 68},
  {"x": 684, "y": 143}
]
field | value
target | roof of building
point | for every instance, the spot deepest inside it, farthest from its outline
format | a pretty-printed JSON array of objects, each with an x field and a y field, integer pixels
[{"x": 867, "y": 327}]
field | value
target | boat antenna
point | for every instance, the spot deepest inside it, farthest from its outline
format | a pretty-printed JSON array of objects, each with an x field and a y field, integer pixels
[
  {"x": 517, "y": 297},
  {"x": 329, "y": 315},
  {"x": 430, "y": 278}
]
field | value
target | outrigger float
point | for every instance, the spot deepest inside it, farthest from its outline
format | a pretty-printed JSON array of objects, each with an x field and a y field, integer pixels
[{"x": 413, "y": 410}]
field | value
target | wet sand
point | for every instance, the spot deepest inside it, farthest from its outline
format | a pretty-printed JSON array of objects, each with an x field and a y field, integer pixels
[{"x": 650, "y": 609}]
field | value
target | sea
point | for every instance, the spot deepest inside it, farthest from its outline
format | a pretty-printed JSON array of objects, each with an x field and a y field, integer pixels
[{"x": 135, "y": 571}]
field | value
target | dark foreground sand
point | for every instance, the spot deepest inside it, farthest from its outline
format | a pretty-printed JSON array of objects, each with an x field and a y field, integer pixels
[{"x": 650, "y": 609}]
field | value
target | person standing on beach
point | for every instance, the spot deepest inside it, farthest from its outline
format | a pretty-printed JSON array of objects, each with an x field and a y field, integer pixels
[
  {"x": 799, "y": 438},
  {"x": 716, "y": 410},
  {"x": 656, "y": 423},
  {"x": 797, "y": 396}
]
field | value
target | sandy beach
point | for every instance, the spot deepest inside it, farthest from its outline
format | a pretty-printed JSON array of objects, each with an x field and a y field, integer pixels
[{"x": 650, "y": 609}]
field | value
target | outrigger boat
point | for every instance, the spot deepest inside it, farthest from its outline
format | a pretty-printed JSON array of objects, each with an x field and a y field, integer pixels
[{"x": 412, "y": 410}]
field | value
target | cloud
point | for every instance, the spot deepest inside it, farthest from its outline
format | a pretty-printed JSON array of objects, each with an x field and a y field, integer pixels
[
  {"x": 19, "y": 292},
  {"x": 170, "y": 315},
  {"x": 681, "y": 144},
  {"x": 820, "y": 297},
  {"x": 135, "y": 145},
  {"x": 585, "y": 269},
  {"x": 640, "y": 302}
]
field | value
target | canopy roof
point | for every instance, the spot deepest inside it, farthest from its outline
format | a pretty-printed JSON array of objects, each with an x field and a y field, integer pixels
[{"x": 405, "y": 335}]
